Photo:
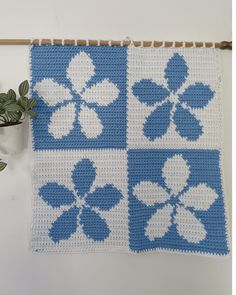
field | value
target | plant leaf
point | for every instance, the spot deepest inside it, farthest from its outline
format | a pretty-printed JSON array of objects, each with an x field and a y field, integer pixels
[
  {"x": 21, "y": 108},
  {"x": 2, "y": 165},
  {"x": 6, "y": 103},
  {"x": 11, "y": 94},
  {"x": 3, "y": 97},
  {"x": 24, "y": 88},
  {"x": 31, "y": 113},
  {"x": 31, "y": 103},
  {"x": 12, "y": 107},
  {"x": 23, "y": 103},
  {"x": 14, "y": 116}
]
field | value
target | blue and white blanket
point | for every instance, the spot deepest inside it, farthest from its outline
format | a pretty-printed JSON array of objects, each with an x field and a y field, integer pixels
[{"x": 127, "y": 149}]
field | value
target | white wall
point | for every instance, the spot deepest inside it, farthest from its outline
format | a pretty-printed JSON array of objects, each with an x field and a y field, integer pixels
[{"x": 24, "y": 273}]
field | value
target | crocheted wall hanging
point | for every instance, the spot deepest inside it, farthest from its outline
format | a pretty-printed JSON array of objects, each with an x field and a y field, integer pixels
[{"x": 127, "y": 149}]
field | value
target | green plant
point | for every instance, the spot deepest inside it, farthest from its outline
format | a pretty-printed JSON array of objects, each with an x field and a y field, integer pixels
[
  {"x": 2, "y": 165},
  {"x": 13, "y": 109}
]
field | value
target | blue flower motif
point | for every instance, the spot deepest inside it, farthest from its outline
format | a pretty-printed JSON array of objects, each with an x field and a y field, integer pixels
[
  {"x": 81, "y": 201},
  {"x": 172, "y": 105}
]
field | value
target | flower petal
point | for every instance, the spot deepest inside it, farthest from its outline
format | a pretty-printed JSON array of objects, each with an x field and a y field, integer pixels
[
  {"x": 91, "y": 125},
  {"x": 104, "y": 198},
  {"x": 65, "y": 225},
  {"x": 176, "y": 72},
  {"x": 149, "y": 92},
  {"x": 62, "y": 120},
  {"x": 158, "y": 225},
  {"x": 56, "y": 195},
  {"x": 199, "y": 197},
  {"x": 102, "y": 93},
  {"x": 83, "y": 176},
  {"x": 175, "y": 173},
  {"x": 150, "y": 193},
  {"x": 158, "y": 122},
  {"x": 186, "y": 124},
  {"x": 197, "y": 95},
  {"x": 94, "y": 226},
  {"x": 188, "y": 226},
  {"x": 80, "y": 70},
  {"x": 52, "y": 92}
]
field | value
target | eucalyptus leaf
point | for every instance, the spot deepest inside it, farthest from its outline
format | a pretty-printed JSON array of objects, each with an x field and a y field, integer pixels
[{"x": 24, "y": 88}]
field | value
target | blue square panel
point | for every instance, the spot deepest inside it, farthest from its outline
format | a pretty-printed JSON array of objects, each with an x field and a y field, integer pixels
[
  {"x": 81, "y": 96},
  {"x": 176, "y": 201}
]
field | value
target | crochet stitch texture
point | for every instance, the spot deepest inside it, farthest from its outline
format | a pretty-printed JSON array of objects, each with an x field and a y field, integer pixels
[{"x": 127, "y": 149}]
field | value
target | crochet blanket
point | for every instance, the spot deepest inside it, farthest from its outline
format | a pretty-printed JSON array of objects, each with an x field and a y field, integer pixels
[{"x": 127, "y": 150}]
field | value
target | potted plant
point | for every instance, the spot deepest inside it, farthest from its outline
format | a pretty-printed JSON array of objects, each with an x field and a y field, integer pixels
[{"x": 13, "y": 112}]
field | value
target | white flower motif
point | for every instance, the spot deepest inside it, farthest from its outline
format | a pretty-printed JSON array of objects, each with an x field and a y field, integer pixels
[
  {"x": 174, "y": 202},
  {"x": 80, "y": 101}
]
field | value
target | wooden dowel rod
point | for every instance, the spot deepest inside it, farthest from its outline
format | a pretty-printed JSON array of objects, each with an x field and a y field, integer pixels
[
  {"x": 15, "y": 41},
  {"x": 72, "y": 42}
]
